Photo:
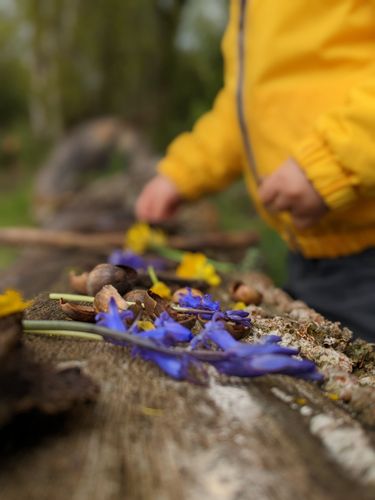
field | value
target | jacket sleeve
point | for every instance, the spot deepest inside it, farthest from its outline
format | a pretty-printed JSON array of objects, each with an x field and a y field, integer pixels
[
  {"x": 210, "y": 157},
  {"x": 339, "y": 155}
]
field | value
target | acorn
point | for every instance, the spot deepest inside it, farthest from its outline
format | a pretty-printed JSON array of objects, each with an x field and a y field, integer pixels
[
  {"x": 78, "y": 282},
  {"x": 120, "y": 277},
  {"x": 240, "y": 292}
]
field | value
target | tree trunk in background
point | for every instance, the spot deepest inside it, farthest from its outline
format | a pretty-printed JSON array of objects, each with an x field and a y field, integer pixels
[
  {"x": 109, "y": 57},
  {"x": 45, "y": 98}
]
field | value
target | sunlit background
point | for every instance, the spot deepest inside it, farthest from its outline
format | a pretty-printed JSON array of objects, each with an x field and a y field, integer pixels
[{"x": 154, "y": 63}]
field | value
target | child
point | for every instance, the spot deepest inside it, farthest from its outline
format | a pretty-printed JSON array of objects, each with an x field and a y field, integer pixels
[{"x": 296, "y": 117}]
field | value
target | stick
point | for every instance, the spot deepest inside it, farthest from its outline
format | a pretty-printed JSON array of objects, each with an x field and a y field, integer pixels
[{"x": 19, "y": 236}]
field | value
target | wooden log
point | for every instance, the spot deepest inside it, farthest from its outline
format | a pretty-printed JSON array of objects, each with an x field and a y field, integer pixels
[{"x": 22, "y": 236}]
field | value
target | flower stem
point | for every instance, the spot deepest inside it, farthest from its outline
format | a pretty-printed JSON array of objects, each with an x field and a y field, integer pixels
[
  {"x": 71, "y": 297},
  {"x": 191, "y": 310},
  {"x": 152, "y": 274},
  {"x": 125, "y": 337},
  {"x": 65, "y": 333}
]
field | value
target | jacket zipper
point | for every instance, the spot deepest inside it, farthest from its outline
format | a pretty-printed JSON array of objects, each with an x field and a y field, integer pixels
[
  {"x": 240, "y": 98},
  {"x": 240, "y": 92}
]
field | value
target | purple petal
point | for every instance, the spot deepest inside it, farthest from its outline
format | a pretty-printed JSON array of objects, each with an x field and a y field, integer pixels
[
  {"x": 282, "y": 364},
  {"x": 127, "y": 258},
  {"x": 189, "y": 300},
  {"x": 270, "y": 339},
  {"x": 247, "y": 350},
  {"x": 113, "y": 318}
]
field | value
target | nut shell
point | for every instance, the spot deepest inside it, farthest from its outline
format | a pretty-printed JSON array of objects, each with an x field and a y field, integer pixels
[
  {"x": 103, "y": 297},
  {"x": 240, "y": 292},
  {"x": 78, "y": 282},
  {"x": 120, "y": 277}
]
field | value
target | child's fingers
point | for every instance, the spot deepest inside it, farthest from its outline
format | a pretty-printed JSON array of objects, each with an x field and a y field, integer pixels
[
  {"x": 304, "y": 222},
  {"x": 268, "y": 191},
  {"x": 280, "y": 203}
]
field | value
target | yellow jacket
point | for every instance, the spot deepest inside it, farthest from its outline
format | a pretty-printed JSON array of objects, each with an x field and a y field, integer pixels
[{"x": 299, "y": 81}]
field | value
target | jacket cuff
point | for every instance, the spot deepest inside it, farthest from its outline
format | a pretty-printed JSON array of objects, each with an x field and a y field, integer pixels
[
  {"x": 172, "y": 169},
  {"x": 336, "y": 185}
]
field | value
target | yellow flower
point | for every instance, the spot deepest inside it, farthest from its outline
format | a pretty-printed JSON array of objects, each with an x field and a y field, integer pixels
[
  {"x": 161, "y": 289},
  {"x": 12, "y": 302},
  {"x": 141, "y": 236},
  {"x": 239, "y": 306},
  {"x": 196, "y": 266},
  {"x": 145, "y": 325}
]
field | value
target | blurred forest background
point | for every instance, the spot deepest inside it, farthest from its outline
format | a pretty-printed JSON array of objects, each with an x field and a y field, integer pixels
[{"x": 155, "y": 63}]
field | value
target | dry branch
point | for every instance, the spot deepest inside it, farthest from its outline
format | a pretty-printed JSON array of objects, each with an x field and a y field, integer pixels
[{"x": 69, "y": 239}]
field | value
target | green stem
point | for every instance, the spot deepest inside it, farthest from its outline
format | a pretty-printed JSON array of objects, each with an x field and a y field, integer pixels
[
  {"x": 152, "y": 274},
  {"x": 71, "y": 297},
  {"x": 108, "y": 333},
  {"x": 65, "y": 333},
  {"x": 191, "y": 310}
]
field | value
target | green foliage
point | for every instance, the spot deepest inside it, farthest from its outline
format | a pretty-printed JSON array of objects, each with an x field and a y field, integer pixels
[
  {"x": 118, "y": 57},
  {"x": 236, "y": 212}
]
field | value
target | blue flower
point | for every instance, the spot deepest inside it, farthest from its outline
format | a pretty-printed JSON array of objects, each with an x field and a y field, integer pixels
[
  {"x": 178, "y": 332},
  {"x": 114, "y": 318},
  {"x": 127, "y": 258},
  {"x": 176, "y": 367},
  {"x": 241, "y": 359},
  {"x": 131, "y": 259},
  {"x": 215, "y": 332},
  {"x": 198, "y": 302},
  {"x": 252, "y": 360},
  {"x": 239, "y": 317},
  {"x": 209, "y": 303},
  {"x": 266, "y": 364}
]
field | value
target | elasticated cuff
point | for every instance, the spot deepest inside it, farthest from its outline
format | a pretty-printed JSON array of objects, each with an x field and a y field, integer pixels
[
  {"x": 175, "y": 173},
  {"x": 336, "y": 186}
]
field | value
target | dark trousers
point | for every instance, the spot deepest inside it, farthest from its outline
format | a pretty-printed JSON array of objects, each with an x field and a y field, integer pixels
[{"x": 342, "y": 289}]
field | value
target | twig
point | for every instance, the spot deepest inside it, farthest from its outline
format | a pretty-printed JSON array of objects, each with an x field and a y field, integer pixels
[{"x": 96, "y": 241}]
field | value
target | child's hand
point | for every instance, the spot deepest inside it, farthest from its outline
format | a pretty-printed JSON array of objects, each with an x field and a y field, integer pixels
[
  {"x": 288, "y": 189},
  {"x": 158, "y": 200}
]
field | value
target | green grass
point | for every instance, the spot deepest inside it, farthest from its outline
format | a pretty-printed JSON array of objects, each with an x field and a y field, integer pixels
[
  {"x": 16, "y": 179},
  {"x": 14, "y": 211}
]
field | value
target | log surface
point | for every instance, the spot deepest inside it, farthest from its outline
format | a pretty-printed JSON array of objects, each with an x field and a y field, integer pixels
[{"x": 151, "y": 438}]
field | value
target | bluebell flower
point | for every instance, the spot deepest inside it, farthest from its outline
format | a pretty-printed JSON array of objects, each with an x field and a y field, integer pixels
[
  {"x": 241, "y": 359},
  {"x": 189, "y": 300},
  {"x": 251, "y": 360},
  {"x": 178, "y": 367},
  {"x": 198, "y": 302},
  {"x": 213, "y": 331},
  {"x": 270, "y": 339},
  {"x": 209, "y": 303},
  {"x": 131, "y": 259},
  {"x": 127, "y": 258},
  {"x": 178, "y": 332},
  {"x": 266, "y": 364},
  {"x": 237, "y": 316},
  {"x": 114, "y": 318}
]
